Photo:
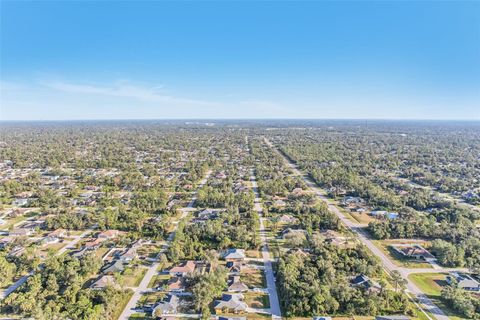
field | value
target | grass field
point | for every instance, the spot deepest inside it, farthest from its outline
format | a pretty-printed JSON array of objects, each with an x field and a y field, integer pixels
[
  {"x": 431, "y": 284},
  {"x": 254, "y": 278},
  {"x": 257, "y": 300},
  {"x": 132, "y": 277}
]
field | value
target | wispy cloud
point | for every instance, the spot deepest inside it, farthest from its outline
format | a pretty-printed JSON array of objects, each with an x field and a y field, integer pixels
[
  {"x": 123, "y": 99},
  {"x": 126, "y": 90}
]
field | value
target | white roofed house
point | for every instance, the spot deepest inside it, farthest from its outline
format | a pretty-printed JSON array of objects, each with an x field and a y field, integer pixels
[{"x": 234, "y": 255}]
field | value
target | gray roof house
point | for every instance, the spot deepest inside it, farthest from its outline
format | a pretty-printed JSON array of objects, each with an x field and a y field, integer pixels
[
  {"x": 231, "y": 302},
  {"x": 168, "y": 306},
  {"x": 464, "y": 281}
]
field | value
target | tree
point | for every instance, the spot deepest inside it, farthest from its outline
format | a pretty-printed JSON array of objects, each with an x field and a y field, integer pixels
[{"x": 397, "y": 279}]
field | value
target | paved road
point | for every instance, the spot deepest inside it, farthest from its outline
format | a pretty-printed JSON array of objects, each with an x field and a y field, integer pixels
[
  {"x": 152, "y": 270},
  {"x": 73, "y": 243},
  {"x": 267, "y": 260},
  {"x": 426, "y": 303}
]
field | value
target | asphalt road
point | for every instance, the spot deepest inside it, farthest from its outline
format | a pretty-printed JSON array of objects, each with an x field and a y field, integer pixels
[
  {"x": 267, "y": 260},
  {"x": 426, "y": 303},
  {"x": 152, "y": 270}
]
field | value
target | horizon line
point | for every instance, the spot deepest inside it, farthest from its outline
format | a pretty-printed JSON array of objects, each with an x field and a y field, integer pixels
[{"x": 239, "y": 119}]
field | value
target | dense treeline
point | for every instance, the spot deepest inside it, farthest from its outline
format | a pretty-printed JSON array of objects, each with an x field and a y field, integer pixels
[
  {"x": 372, "y": 163},
  {"x": 319, "y": 283},
  {"x": 231, "y": 229},
  {"x": 56, "y": 291}
]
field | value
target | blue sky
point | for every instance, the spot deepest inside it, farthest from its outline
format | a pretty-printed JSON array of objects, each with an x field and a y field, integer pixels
[{"x": 154, "y": 59}]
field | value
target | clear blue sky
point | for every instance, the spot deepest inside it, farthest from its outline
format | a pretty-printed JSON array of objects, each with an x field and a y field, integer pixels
[{"x": 122, "y": 60}]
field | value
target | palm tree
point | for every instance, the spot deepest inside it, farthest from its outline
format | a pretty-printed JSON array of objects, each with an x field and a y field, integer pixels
[{"x": 398, "y": 280}]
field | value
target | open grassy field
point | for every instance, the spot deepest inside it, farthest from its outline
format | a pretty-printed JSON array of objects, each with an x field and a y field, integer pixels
[
  {"x": 132, "y": 277},
  {"x": 253, "y": 278},
  {"x": 257, "y": 299}
]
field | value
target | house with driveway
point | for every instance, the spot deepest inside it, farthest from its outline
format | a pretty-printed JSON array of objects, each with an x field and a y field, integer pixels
[{"x": 463, "y": 280}]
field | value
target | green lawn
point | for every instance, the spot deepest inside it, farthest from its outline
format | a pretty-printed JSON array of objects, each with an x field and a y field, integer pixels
[
  {"x": 254, "y": 278},
  {"x": 257, "y": 300},
  {"x": 132, "y": 277},
  {"x": 431, "y": 284}
]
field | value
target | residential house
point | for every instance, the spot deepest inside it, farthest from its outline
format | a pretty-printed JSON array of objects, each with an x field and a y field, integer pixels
[
  {"x": 21, "y": 202},
  {"x": 182, "y": 269},
  {"x": 94, "y": 244},
  {"x": 176, "y": 284},
  {"x": 286, "y": 218},
  {"x": 167, "y": 306},
  {"x": 234, "y": 267},
  {"x": 414, "y": 251},
  {"x": 207, "y": 214},
  {"x": 129, "y": 255},
  {"x": 114, "y": 267},
  {"x": 365, "y": 282},
  {"x": 234, "y": 255},
  {"x": 235, "y": 285},
  {"x": 16, "y": 251},
  {"x": 21, "y": 232},
  {"x": 230, "y": 303},
  {"x": 464, "y": 281},
  {"x": 103, "y": 282},
  {"x": 384, "y": 214},
  {"x": 109, "y": 234},
  {"x": 58, "y": 233},
  {"x": 5, "y": 241},
  {"x": 289, "y": 232}
]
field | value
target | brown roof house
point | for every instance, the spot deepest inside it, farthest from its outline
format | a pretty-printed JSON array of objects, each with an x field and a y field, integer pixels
[
  {"x": 414, "y": 251},
  {"x": 103, "y": 282},
  {"x": 235, "y": 285},
  {"x": 182, "y": 269}
]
